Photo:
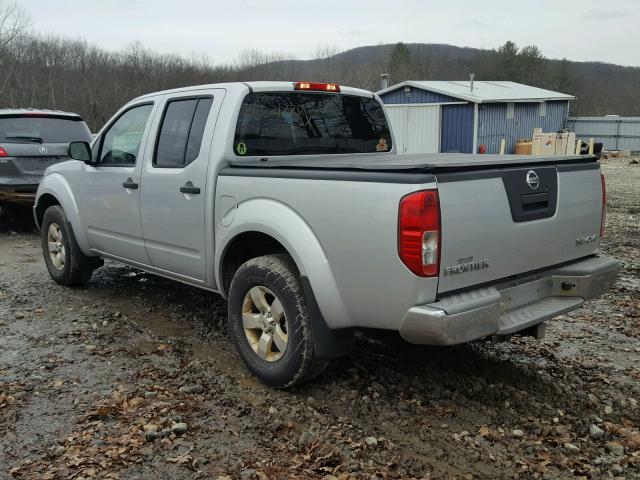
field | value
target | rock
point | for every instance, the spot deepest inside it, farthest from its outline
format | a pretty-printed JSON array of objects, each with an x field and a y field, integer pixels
[
  {"x": 57, "y": 451},
  {"x": 247, "y": 474},
  {"x": 596, "y": 432},
  {"x": 179, "y": 428},
  {"x": 517, "y": 433},
  {"x": 570, "y": 447},
  {"x": 190, "y": 389},
  {"x": 329, "y": 477},
  {"x": 633, "y": 403},
  {"x": 305, "y": 439},
  {"x": 371, "y": 441},
  {"x": 91, "y": 348},
  {"x": 272, "y": 411},
  {"x": 589, "y": 364},
  {"x": 151, "y": 435},
  {"x": 614, "y": 448},
  {"x": 617, "y": 469},
  {"x": 608, "y": 409}
]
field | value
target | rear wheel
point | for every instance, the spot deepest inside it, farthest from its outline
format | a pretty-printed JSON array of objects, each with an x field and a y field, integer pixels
[
  {"x": 65, "y": 261},
  {"x": 269, "y": 322}
]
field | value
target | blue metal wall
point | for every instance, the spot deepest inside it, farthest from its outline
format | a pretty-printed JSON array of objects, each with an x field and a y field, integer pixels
[
  {"x": 493, "y": 124},
  {"x": 417, "y": 96},
  {"x": 456, "y": 132}
]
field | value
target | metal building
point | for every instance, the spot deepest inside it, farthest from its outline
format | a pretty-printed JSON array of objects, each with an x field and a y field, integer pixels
[
  {"x": 464, "y": 116},
  {"x": 615, "y": 133}
]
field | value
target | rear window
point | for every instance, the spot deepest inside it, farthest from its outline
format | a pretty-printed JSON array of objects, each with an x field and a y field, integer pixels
[
  {"x": 33, "y": 129},
  {"x": 283, "y": 123}
]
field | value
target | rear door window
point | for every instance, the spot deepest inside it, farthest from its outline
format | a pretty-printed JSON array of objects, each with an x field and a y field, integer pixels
[
  {"x": 291, "y": 123},
  {"x": 181, "y": 132},
  {"x": 38, "y": 128}
]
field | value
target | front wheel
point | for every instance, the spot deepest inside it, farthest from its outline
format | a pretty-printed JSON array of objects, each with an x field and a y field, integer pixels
[
  {"x": 65, "y": 261},
  {"x": 269, "y": 322}
]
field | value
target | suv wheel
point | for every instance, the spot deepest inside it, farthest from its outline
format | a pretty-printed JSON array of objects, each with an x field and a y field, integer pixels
[
  {"x": 65, "y": 261},
  {"x": 269, "y": 322}
]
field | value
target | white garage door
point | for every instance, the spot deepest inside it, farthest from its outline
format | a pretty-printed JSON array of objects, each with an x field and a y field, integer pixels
[{"x": 416, "y": 127}]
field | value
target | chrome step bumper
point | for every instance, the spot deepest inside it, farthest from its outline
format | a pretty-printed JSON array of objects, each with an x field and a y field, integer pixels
[{"x": 508, "y": 307}]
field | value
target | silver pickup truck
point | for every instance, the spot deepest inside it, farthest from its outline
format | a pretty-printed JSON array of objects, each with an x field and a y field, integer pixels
[{"x": 288, "y": 199}]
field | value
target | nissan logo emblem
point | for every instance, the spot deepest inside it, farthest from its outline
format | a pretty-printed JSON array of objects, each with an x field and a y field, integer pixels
[
  {"x": 43, "y": 150},
  {"x": 533, "y": 180}
]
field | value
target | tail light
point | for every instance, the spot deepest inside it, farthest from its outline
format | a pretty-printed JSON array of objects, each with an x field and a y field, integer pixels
[
  {"x": 604, "y": 204},
  {"x": 3, "y": 152},
  {"x": 419, "y": 232},
  {"x": 318, "y": 87}
]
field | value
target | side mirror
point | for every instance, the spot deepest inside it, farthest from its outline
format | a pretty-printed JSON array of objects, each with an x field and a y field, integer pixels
[{"x": 80, "y": 151}]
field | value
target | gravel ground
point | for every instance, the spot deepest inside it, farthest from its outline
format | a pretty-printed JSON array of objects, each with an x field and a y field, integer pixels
[{"x": 133, "y": 377}]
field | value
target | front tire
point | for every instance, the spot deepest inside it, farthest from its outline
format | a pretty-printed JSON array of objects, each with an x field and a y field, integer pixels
[
  {"x": 65, "y": 261},
  {"x": 269, "y": 322}
]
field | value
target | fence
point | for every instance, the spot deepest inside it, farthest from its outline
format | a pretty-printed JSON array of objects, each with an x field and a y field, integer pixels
[{"x": 615, "y": 133}]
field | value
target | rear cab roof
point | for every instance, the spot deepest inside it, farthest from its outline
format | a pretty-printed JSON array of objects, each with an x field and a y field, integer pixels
[{"x": 262, "y": 86}]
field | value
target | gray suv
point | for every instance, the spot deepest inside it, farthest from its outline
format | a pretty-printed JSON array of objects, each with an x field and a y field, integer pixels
[{"x": 30, "y": 141}]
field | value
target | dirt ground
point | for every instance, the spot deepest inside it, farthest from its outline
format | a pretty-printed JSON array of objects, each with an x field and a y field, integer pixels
[{"x": 133, "y": 377}]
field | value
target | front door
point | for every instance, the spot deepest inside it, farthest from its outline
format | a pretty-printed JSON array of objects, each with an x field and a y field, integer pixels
[
  {"x": 174, "y": 184},
  {"x": 111, "y": 191}
]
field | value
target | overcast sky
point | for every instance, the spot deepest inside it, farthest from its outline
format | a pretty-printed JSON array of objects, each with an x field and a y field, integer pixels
[{"x": 579, "y": 30}]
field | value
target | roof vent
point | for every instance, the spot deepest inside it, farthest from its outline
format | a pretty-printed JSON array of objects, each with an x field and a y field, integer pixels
[{"x": 384, "y": 81}]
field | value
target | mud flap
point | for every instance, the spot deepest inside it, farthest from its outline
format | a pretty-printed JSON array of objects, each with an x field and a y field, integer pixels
[{"x": 328, "y": 344}]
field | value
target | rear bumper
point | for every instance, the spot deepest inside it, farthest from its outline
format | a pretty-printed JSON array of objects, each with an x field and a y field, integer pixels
[
  {"x": 24, "y": 194},
  {"x": 508, "y": 307}
]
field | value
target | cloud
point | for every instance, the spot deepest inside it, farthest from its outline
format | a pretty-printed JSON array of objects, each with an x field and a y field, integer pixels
[
  {"x": 354, "y": 32},
  {"x": 607, "y": 14}
]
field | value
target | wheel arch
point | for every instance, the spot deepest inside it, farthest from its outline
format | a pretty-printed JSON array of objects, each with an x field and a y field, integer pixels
[
  {"x": 54, "y": 190},
  {"x": 279, "y": 229}
]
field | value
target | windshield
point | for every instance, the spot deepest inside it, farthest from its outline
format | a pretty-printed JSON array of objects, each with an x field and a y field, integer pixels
[
  {"x": 291, "y": 123},
  {"x": 33, "y": 129}
]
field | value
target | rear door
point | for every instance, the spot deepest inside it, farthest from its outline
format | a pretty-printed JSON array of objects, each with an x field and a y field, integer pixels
[
  {"x": 507, "y": 221},
  {"x": 174, "y": 183}
]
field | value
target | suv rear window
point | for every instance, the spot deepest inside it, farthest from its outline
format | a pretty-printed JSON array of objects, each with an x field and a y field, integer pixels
[
  {"x": 43, "y": 129},
  {"x": 284, "y": 123}
]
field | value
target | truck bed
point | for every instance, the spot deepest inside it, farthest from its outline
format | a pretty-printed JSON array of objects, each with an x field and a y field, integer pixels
[{"x": 425, "y": 163}]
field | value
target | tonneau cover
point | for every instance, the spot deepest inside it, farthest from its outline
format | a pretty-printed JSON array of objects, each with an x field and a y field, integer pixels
[{"x": 429, "y": 162}]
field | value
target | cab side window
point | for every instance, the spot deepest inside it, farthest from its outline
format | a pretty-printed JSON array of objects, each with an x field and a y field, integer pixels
[
  {"x": 121, "y": 143},
  {"x": 181, "y": 132}
]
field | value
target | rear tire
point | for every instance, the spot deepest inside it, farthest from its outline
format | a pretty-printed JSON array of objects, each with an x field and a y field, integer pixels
[
  {"x": 65, "y": 261},
  {"x": 269, "y": 322}
]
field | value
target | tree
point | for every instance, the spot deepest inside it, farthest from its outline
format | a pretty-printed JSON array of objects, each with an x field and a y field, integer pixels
[
  {"x": 13, "y": 22},
  {"x": 399, "y": 62}
]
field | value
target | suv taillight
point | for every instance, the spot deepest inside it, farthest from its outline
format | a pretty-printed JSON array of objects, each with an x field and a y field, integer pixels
[
  {"x": 419, "y": 232},
  {"x": 604, "y": 203},
  {"x": 3, "y": 152}
]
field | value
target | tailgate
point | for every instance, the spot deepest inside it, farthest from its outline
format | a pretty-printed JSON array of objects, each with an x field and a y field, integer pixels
[
  {"x": 507, "y": 221},
  {"x": 31, "y": 159}
]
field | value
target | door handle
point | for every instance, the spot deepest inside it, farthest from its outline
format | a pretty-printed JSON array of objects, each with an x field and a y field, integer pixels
[
  {"x": 130, "y": 184},
  {"x": 189, "y": 188}
]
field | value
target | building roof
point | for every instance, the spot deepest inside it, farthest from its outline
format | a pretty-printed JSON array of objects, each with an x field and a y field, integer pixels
[{"x": 484, "y": 91}]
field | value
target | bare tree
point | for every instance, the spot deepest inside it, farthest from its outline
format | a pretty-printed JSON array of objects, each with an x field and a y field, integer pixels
[{"x": 13, "y": 22}]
